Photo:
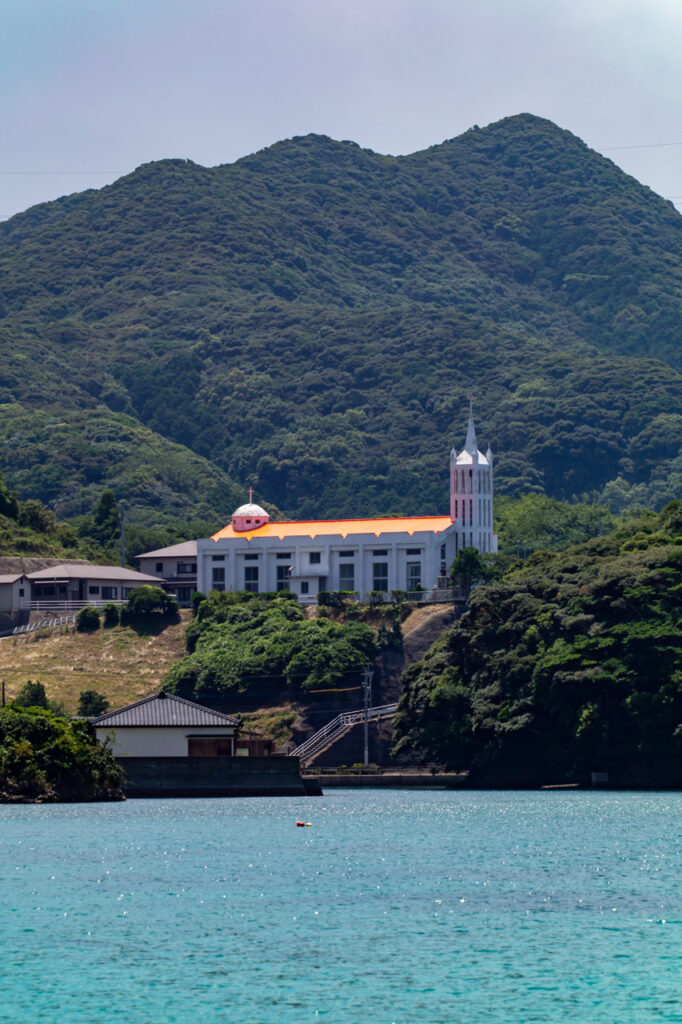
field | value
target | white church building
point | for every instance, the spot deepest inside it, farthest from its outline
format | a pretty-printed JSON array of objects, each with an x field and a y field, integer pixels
[{"x": 359, "y": 555}]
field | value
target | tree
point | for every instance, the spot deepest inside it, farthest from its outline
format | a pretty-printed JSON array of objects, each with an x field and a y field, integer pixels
[
  {"x": 32, "y": 695},
  {"x": 469, "y": 568},
  {"x": 32, "y": 513},
  {"x": 9, "y": 503},
  {"x": 92, "y": 703},
  {"x": 107, "y": 520}
]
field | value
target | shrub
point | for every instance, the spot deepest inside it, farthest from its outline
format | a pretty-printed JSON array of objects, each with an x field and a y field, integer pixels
[
  {"x": 112, "y": 615},
  {"x": 146, "y": 600},
  {"x": 87, "y": 620},
  {"x": 196, "y": 599}
]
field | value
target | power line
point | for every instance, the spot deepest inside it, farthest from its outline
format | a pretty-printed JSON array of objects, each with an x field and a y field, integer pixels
[
  {"x": 60, "y": 172},
  {"x": 643, "y": 145}
]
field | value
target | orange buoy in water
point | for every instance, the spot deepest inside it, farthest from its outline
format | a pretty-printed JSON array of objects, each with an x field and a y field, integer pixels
[{"x": 300, "y": 824}]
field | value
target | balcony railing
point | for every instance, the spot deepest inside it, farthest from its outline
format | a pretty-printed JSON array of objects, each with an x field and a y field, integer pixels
[{"x": 66, "y": 604}]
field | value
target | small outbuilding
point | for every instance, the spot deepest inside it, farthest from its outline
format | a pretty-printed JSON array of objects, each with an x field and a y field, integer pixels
[
  {"x": 164, "y": 725},
  {"x": 169, "y": 746}
]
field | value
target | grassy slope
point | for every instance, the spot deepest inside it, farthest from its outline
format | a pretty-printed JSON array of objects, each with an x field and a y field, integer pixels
[
  {"x": 311, "y": 318},
  {"x": 119, "y": 663}
]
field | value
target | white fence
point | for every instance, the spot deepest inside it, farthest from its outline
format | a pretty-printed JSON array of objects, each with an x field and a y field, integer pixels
[{"x": 66, "y": 605}]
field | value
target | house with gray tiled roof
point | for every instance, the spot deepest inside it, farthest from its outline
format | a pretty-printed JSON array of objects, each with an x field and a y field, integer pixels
[{"x": 163, "y": 725}]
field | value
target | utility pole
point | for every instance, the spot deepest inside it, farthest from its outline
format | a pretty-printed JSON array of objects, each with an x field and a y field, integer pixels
[
  {"x": 122, "y": 510},
  {"x": 367, "y": 687}
]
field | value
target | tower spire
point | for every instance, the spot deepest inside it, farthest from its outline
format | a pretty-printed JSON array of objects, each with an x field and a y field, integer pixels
[{"x": 470, "y": 444}]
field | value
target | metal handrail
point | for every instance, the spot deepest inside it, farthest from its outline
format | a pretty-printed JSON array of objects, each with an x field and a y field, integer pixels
[
  {"x": 320, "y": 738},
  {"x": 31, "y": 627}
]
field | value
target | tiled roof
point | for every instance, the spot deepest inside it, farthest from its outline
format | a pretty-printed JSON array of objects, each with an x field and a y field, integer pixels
[
  {"x": 187, "y": 549},
  {"x": 12, "y": 579},
  {"x": 340, "y": 528},
  {"x": 72, "y": 570},
  {"x": 163, "y": 709}
]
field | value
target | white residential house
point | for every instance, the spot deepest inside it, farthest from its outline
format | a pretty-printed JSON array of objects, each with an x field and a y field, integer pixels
[
  {"x": 73, "y": 585},
  {"x": 15, "y": 599},
  {"x": 163, "y": 725},
  {"x": 177, "y": 565}
]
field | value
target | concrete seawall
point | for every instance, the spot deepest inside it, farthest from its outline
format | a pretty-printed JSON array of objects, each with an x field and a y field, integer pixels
[
  {"x": 391, "y": 780},
  {"x": 215, "y": 776}
]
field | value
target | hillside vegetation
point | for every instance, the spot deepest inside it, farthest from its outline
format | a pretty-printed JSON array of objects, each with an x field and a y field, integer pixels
[
  {"x": 310, "y": 320},
  {"x": 571, "y": 663},
  {"x": 45, "y": 758}
]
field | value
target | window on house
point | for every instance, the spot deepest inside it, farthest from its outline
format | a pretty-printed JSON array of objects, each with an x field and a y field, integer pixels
[
  {"x": 159, "y": 567},
  {"x": 217, "y": 558},
  {"x": 218, "y": 576},
  {"x": 381, "y": 553},
  {"x": 251, "y": 557},
  {"x": 109, "y": 593},
  {"x": 414, "y": 575},
  {"x": 284, "y": 554},
  {"x": 346, "y": 554},
  {"x": 186, "y": 568},
  {"x": 315, "y": 557},
  {"x": 21, "y": 591},
  {"x": 93, "y": 590},
  {"x": 305, "y": 587},
  {"x": 283, "y": 577},
  {"x": 209, "y": 746},
  {"x": 251, "y": 579},
  {"x": 125, "y": 592},
  {"x": 380, "y": 576},
  {"x": 414, "y": 551},
  {"x": 347, "y": 577}
]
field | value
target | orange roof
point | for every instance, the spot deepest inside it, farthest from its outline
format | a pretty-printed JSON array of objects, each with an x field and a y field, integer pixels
[{"x": 339, "y": 527}]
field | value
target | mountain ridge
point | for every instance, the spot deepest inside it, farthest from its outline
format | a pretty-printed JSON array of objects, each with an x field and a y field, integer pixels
[{"x": 311, "y": 317}]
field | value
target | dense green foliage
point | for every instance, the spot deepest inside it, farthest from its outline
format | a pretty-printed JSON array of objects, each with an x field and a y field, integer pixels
[
  {"x": 87, "y": 620},
  {"x": 536, "y": 522},
  {"x": 310, "y": 319},
  {"x": 569, "y": 664},
  {"x": 32, "y": 695},
  {"x": 91, "y": 703},
  {"x": 29, "y": 528},
  {"x": 43, "y": 757},
  {"x": 243, "y": 643},
  {"x": 148, "y": 600}
]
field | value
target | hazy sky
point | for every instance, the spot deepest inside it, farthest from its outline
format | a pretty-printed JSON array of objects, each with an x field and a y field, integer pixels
[{"x": 90, "y": 89}]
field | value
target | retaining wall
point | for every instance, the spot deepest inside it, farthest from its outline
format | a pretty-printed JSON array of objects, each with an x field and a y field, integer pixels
[{"x": 215, "y": 776}]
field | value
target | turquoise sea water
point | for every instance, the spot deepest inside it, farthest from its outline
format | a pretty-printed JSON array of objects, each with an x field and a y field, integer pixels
[{"x": 395, "y": 906}]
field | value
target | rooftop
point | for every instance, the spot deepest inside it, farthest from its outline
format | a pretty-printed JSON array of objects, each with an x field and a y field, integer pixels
[
  {"x": 163, "y": 709},
  {"x": 186, "y": 549},
  {"x": 73, "y": 570},
  {"x": 340, "y": 528}
]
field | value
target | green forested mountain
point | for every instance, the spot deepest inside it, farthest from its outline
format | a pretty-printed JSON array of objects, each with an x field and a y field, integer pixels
[
  {"x": 310, "y": 320},
  {"x": 571, "y": 663}
]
